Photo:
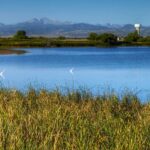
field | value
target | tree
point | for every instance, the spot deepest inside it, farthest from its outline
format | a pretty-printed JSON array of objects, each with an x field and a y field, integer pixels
[
  {"x": 107, "y": 38},
  {"x": 132, "y": 37},
  {"x": 20, "y": 35},
  {"x": 144, "y": 39},
  {"x": 61, "y": 37},
  {"x": 93, "y": 36}
]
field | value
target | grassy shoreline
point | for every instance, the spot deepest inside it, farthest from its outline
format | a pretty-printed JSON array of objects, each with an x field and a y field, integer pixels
[
  {"x": 45, "y": 42},
  {"x": 10, "y": 52},
  {"x": 51, "y": 120},
  {"x": 54, "y": 42}
]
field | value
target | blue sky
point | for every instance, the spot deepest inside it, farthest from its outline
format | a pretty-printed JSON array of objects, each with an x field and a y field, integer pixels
[{"x": 89, "y": 11}]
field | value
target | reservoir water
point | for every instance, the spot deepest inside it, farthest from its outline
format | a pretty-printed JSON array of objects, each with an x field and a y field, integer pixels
[{"x": 121, "y": 68}]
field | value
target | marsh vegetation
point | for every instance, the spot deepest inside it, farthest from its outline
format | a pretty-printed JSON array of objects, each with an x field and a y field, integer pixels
[{"x": 75, "y": 120}]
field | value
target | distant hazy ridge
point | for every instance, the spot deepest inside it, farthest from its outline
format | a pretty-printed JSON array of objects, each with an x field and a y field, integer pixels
[{"x": 51, "y": 28}]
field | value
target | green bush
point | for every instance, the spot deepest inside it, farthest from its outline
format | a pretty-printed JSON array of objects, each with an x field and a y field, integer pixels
[
  {"x": 93, "y": 36},
  {"x": 132, "y": 37},
  {"x": 108, "y": 38},
  {"x": 20, "y": 35},
  {"x": 105, "y": 38}
]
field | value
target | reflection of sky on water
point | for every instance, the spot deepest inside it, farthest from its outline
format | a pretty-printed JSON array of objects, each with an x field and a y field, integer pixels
[{"x": 94, "y": 68}]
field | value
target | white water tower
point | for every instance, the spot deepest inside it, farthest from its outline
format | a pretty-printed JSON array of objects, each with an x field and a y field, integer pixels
[{"x": 137, "y": 28}]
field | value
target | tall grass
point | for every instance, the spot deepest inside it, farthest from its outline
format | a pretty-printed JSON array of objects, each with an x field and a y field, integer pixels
[{"x": 43, "y": 120}]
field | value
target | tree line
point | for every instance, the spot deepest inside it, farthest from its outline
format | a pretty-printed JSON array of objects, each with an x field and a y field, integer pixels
[
  {"x": 110, "y": 38},
  {"x": 94, "y": 39}
]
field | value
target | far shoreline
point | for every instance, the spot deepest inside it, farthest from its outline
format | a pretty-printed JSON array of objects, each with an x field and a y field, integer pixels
[{"x": 9, "y": 43}]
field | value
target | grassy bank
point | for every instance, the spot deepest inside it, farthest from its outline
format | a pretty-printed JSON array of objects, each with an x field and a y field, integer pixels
[
  {"x": 50, "y": 42},
  {"x": 45, "y": 42},
  {"x": 8, "y": 52},
  {"x": 55, "y": 42},
  {"x": 50, "y": 120}
]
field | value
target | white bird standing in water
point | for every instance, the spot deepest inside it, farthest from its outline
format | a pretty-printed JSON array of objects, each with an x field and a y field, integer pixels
[
  {"x": 71, "y": 71},
  {"x": 2, "y": 74}
]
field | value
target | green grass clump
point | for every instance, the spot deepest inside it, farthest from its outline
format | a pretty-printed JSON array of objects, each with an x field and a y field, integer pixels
[{"x": 43, "y": 120}]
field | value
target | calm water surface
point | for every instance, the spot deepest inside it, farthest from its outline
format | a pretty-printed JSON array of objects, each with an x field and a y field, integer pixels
[{"x": 94, "y": 68}]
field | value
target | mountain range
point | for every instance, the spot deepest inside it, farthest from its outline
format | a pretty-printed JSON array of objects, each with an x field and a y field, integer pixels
[{"x": 53, "y": 28}]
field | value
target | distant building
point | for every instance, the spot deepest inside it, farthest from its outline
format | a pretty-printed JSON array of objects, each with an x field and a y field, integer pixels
[
  {"x": 138, "y": 28},
  {"x": 120, "y": 39}
]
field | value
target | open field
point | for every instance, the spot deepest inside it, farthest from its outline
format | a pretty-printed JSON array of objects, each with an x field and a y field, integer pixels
[{"x": 46, "y": 120}]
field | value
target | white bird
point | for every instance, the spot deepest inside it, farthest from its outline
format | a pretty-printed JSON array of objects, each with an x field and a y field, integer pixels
[
  {"x": 2, "y": 74},
  {"x": 71, "y": 71}
]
